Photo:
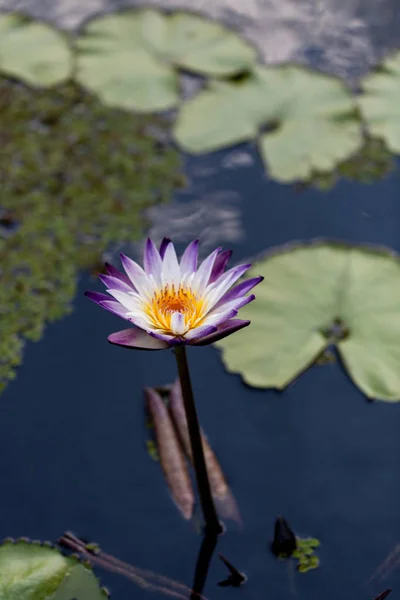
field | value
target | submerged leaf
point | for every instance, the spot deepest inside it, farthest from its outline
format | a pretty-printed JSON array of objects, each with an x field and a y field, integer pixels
[
  {"x": 171, "y": 455},
  {"x": 221, "y": 492},
  {"x": 379, "y": 102},
  {"x": 310, "y": 120},
  {"x": 33, "y": 51},
  {"x": 315, "y": 295}
]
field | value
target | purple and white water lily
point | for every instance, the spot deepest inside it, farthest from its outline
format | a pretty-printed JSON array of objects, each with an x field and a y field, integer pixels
[{"x": 172, "y": 302}]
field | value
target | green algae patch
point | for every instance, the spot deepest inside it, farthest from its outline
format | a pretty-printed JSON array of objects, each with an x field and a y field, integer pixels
[{"x": 76, "y": 177}]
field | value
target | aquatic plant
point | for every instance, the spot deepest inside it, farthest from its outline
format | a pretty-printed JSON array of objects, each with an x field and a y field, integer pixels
[
  {"x": 30, "y": 569},
  {"x": 174, "y": 304},
  {"x": 323, "y": 294},
  {"x": 76, "y": 177},
  {"x": 171, "y": 303}
]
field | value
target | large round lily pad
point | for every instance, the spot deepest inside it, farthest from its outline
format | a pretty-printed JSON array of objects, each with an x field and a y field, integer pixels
[
  {"x": 33, "y": 51},
  {"x": 380, "y": 103},
  {"x": 314, "y": 295},
  {"x": 130, "y": 59},
  {"x": 31, "y": 571},
  {"x": 118, "y": 61},
  {"x": 304, "y": 121}
]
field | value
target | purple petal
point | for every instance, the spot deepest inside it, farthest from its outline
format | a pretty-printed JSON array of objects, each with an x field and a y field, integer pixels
[
  {"x": 202, "y": 276},
  {"x": 233, "y": 305},
  {"x": 135, "y": 274},
  {"x": 97, "y": 297},
  {"x": 199, "y": 332},
  {"x": 222, "y": 331},
  {"x": 219, "y": 266},
  {"x": 239, "y": 290},
  {"x": 115, "y": 283},
  {"x": 221, "y": 286},
  {"x": 220, "y": 317},
  {"x": 116, "y": 308},
  {"x": 188, "y": 262},
  {"x": 152, "y": 261},
  {"x": 171, "y": 340},
  {"x": 136, "y": 338},
  {"x": 163, "y": 246},
  {"x": 111, "y": 270}
]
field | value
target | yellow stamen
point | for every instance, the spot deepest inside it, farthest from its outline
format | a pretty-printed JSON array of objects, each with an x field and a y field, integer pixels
[{"x": 169, "y": 300}]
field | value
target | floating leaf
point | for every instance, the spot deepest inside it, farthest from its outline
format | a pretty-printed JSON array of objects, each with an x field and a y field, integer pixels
[
  {"x": 206, "y": 47},
  {"x": 117, "y": 61},
  {"x": 79, "y": 583},
  {"x": 32, "y": 571},
  {"x": 218, "y": 116},
  {"x": 129, "y": 59},
  {"x": 380, "y": 102},
  {"x": 320, "y": 294},
  {"x": 33, "y": 51},
  {"x": 305, "y": 554},
  {"x": 312, "y": 120}
]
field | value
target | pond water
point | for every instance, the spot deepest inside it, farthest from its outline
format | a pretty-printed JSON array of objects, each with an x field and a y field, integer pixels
[{"x": 72, "y": 424}]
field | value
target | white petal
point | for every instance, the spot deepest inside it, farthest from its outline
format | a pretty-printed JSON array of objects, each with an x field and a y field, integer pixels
[
  {"x": 222, "y": 285},
  {"x": 178, "y": 326},
  {"x": 127, "y": 300},
  {"x": 138, "y": 277},
  {"x": 203, "y": 273},
  {"x": 171, "y": 270}
]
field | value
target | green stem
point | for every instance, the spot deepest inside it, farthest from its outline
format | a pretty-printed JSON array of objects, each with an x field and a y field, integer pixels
[{"x": 212, "y": 525}]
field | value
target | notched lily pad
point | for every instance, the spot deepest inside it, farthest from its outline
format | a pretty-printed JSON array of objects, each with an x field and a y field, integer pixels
[
  {"x": 304, "y": 120},
  {"x": 33, "y": 51},
  {"x": 379, "y": 102},
  {"x": 130, "y": 59},
  {"x": 203, "y": 46},
  {"x": 33, "y": 571},
  {"x": 315, "y": 295}
]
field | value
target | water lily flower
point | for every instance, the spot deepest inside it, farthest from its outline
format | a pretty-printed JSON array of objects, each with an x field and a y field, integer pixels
[{"x": 171, "y": 302}]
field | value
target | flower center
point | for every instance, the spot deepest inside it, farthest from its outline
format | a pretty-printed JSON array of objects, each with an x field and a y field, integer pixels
[{"x": 170, "y": 300}]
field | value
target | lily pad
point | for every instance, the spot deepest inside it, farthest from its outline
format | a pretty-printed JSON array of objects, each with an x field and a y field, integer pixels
[
  {"x": 32, "y": 571},
  {"x": 117, "y": 60},
  {"x": 206, "y": 47},
  {"x": 33, "y": 51},
  {"x": 130, "y": 59},
  {"x": 80, "y": 583},
  {"x": 315, "y": 295},
  {"x": 310, "y": 120},
  {"x": 380, "y": 102}
]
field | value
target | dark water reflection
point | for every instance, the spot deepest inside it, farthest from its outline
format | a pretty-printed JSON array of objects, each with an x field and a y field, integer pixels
[
  {"x": 72, "y": 424},
  {"x": 73, "y": 435}
]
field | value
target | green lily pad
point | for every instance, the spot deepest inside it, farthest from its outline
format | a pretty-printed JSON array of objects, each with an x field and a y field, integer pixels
[
  {"x": 379, "y": 102},
  {"x": 315, "y": 295},
  {"x": 129, "y": 59},
  {"x": 206, "y": 47},
  {"x": 32, "y": 571},
  {"x": 118, "y": 61},
  {"x": 311, "y": 117},
  {"x": 80, "y": 583},
  {"x": 33, "y": 51}
]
